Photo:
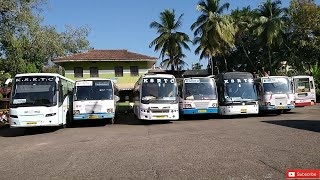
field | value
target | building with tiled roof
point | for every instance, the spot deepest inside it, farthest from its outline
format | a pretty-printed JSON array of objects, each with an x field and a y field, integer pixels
[{"x": 122, "y": 65}]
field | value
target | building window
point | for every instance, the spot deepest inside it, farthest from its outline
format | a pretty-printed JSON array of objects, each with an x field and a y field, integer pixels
[
  {"x": 94, "y": 72},
  {"x": 78, "y": 72},
  {"x": 134, "y": 71},
  {"x": 118, "y": 71}
]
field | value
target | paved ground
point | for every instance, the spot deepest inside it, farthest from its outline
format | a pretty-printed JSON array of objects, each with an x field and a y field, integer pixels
[{"x": 237, "y": 148}]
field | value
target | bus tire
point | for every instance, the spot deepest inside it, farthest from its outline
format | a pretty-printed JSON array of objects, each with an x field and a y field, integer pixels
[
  {"x": 278, "y": 112},
  {"x": 68, "y": 121}
]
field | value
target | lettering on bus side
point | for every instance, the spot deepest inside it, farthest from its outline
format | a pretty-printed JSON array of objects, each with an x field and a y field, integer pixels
[
  {"x": 34, "y": 79},
  {"x": 227, "y": 81},
  {"x": 157, "y": 80}
]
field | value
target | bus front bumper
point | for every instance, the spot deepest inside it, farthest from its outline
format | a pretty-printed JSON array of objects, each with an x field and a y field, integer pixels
[
  {"x": 272, "y": 108},
  {"x": 301, "y": 103},
  {"x": 200, "y": 111},
  {"x": 93, "y": 116}
]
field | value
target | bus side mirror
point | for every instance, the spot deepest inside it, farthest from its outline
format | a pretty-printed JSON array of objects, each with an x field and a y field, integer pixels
[
  {"x": 8, "y": 81},
  {"x": 116, "y": 98}
]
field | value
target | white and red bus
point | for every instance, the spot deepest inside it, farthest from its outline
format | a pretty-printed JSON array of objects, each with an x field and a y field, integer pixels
[{"x": 304, "y": 90}]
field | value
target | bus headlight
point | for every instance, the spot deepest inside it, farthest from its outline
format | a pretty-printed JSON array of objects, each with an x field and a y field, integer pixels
[
  {"x": 187, "y": 106},
  {"x": 110, "y": 110},
  {"x": 52, "y": 114},
  {"x": 76, "y": 112},
  {"x": 145, "y": 110},
  {"x": 267, "y": 103},
  {"x": 214, "y": 105}
]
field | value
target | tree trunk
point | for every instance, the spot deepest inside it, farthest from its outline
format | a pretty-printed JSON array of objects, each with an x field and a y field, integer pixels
[
  {"x": 270, "y": 64},
  {"x": 225, "y": 63},
  {"x": 246, "y": 54},
  {"x": 217, "y": 67}
]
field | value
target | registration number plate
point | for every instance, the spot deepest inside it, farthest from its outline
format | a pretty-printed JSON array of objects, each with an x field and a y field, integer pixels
[
  {"x": 202, "y": 111},
  {"x": 280, "y": 107},
  {"x": 93, "y": 117},
  {"x": 161, "y": 116},
  {"x": 243, "y": 110},
  {"x": 31, "y": 122}
]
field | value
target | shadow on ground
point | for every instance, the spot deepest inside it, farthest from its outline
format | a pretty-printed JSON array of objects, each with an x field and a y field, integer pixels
[
  {"x": 131, "y": 119},
  {"x": 90, "y": 123},
  {"x": 6, "y": 131},
  {"x": 309, "y": 125}
]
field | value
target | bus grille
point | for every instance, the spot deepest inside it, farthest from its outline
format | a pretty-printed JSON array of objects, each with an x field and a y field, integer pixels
[
  {"x": 160, "y": 110},
  {"x": 281, "y": 101},
  {"x": 93, "y": 108},
  {"x": 200, "y": 105}
]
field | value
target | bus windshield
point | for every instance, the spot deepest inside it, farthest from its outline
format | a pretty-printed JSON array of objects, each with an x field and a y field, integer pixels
[
  {"x": 94, "y": 90},
  {"x": 276, "y": 85},
  {"x": 34, "y": 91},
  {"x": 302, "y": 85},
  {"x": 200, "y": 89},
  {"x": 158, "y": 89},
  {"x": 240, "y": 89}
]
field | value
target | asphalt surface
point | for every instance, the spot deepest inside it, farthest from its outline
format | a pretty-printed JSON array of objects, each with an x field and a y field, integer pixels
[{"x": 261, "y": 147}]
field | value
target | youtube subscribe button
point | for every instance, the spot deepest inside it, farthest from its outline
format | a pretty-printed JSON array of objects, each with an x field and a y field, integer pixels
[{"x": 303, "y": 174}]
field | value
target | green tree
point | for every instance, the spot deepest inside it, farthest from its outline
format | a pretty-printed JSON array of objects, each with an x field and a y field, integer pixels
[
  {"x": 196, "y": 66},
  {"x": 214, "y": 32},
  {"x": 269, "y": 27},
  {"x": 304, "y": 38},
  {"x": 26, "y": 45},
  {"x": 170, "y": 42}
]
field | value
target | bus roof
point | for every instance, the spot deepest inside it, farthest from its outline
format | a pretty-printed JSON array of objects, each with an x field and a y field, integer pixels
[
  {"x": 93, "y": 79},
  {"x": 44, "y": 74},
  {"x": 301, "y": 76},
  {"x": 266, "y": 77},
  {"x": 232, "y": 75},
  {"x": 158, "y": 76}
]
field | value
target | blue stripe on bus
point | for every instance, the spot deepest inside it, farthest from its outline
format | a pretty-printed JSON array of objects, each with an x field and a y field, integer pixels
[
  {"x": 261, "y": 107},
  {"x": 198, "y": 111},
  {"x": 98, "y": 116}
]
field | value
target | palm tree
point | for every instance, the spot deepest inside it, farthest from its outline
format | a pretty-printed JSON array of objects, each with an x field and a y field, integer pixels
[
  {"x": 244, "y": 20},
  {"x": 213, "y": 32},
  {"x": 170, "y": 42},
  {"x": 269, "y": 26}
]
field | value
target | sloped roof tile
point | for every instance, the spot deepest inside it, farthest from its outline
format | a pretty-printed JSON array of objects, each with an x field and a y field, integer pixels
[{"x": 105, "y": 55}]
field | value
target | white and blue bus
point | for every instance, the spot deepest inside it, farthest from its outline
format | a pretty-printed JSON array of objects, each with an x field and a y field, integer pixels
[
  {"x": 156, "y": 97},
  {"x": 198, "y": 95},
  {"x": 237, "y": 93},
  {"x": 95, "y": 99},
  {"x": 41, "y": 99},
  {"x": 275, "y": 93}
]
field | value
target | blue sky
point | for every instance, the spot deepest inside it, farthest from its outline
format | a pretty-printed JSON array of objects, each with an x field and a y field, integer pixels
[{"x": 125, "y": 24}]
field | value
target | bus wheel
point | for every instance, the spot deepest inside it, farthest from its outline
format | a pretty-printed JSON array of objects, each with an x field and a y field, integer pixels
[
  {"x": 68, "y": 121},
  {"x": 278, "y": 112}
]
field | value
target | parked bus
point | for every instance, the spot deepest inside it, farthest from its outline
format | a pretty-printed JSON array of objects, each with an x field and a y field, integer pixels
[
  {"x": 198, "y": 95},
  {"x": 304, "y": 90},
  {"x": 41, "y": 99},
  {"x": 155, "y": 97},
  {"x": 275, "y": 93},
  {"x": 95, "y": 99},
  {"x": 237, "y": 93}
]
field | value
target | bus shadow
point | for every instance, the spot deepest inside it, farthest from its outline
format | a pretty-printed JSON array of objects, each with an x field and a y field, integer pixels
[
  {"x": 198, "y": 117},
  {"x": 6, "y": 131},
  {"x": 90, "y": 123},
  {"x": 309, "y": 125},
  {"x": 131, "y": 119}
]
